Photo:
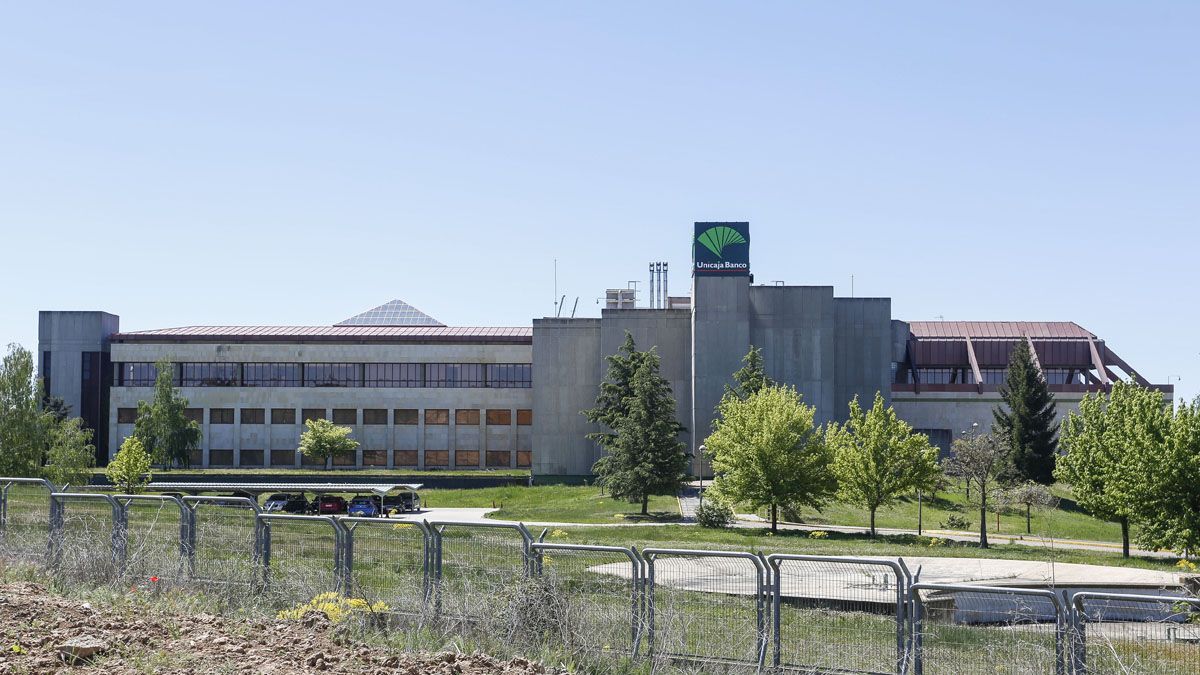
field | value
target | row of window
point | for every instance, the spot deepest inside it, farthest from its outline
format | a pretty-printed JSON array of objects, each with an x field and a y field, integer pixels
[
  {"x": 430, "y": 375},
  {"x": 349, "y": 416},
  {"x": 990, "y": 376},
  {"x": 407, "y": 458}
]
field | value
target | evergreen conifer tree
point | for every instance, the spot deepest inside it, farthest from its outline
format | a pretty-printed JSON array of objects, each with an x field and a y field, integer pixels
[
  {"x": 1026, "y": 418},
  {"x": 612, "y": 403},
  {"x": 751, "y": 377}
]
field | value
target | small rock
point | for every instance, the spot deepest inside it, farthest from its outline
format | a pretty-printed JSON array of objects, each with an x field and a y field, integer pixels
[
  {"x": 81, "y": 649},
  {"x": 319, "y": 656}
]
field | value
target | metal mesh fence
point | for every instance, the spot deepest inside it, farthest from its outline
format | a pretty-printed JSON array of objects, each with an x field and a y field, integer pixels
[
  {"x": 84, "y": 549},
  {"x": 225, "y": 547},
  {"x": 1136, "y": 634},
  {"x": 153, "y": 537},
  {"x": 303, "y": 557},
  {"x": 479, "y": 572},
  {"x": 25, "y": 526},
  {"x": 388, "y": 563},
  {"x": 966, "y": 629},
  {"x": 706, "y": 606},
  {"x": 591, "y": 596},
  {"x": 838, "y": 614}
]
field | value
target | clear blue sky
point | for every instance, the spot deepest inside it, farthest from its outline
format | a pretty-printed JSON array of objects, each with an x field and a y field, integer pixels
[{"x": 290, "y": 162}]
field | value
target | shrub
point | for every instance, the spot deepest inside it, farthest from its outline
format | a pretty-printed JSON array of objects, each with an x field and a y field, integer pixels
[
  {"x": 955, "y": 522},
  {"x": 818, "y": 534},
  {"x": 713, "y": 513},
  {"x": 335, "y": 606}
]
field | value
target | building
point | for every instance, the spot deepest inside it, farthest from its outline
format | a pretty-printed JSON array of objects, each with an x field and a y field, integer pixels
[{"x": 419, "y": 394}]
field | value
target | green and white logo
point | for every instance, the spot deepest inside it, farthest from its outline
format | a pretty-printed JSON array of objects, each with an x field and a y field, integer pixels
[{"x": 717, "y": 238}]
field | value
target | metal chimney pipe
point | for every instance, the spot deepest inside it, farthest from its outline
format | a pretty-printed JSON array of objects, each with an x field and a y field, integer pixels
[
  {"x": 666, "y": 296},
  {"x": 653, "y": 298}
]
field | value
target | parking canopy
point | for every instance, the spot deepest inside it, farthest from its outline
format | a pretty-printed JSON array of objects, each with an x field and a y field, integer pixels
[{"x": 381, "y": 489}]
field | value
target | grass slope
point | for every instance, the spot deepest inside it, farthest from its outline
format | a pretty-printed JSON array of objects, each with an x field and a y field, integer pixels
[{"x": 552, "y": 503}]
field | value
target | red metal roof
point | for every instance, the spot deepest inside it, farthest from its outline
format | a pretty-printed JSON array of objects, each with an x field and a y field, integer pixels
[
  {"x": 983, "y": 330},
  {"x": 332, "y": 333}
]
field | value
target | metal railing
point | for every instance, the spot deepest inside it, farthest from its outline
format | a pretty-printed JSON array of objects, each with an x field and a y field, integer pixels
[{"x": 715, "y": 609}]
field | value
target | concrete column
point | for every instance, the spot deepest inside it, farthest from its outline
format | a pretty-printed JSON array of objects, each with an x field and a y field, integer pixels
[
  {"x": 512, "y": 438},
  {"x": 483, "y": 441},
  {"x": 204, "y": 443},
  {"x": 390, "y": 445},
  {"x": 237, "y": 436},
  {"x": 452, "y": 437},
  {"x": 267, "y": 439},
  {"x": 361, "y": 433},
  {"x": 420, "y": 438},
  {"x": 299, "y": 425}
]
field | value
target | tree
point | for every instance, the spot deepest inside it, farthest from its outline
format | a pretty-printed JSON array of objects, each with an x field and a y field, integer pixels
[
  {"x": 55, "y": 406},
  {"x": 162, "y": 426},
  {"x": 1108, "y": 442},
  {"x": 612, "y": 402},
  {"x": 323, "y": 440},
  {"x": 1029, "y": 495},
  {"x": 1028, "y": 422},
  {"x": 767, "y": 452},
  {"x": 130, "y": 469},
  {"x": 70, "y": 455},
  {"x": 1166, "y": 499},
  {"x": 877, "y": 458},
  {"x": 22, "y": 428},
  {"x": 646, "y": 456},
  {"x": 751, "y": 377},
  {"x": 981, "y": 460}
]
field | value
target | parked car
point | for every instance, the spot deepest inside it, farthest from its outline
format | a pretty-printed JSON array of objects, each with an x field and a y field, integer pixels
[
  {"x": 285, "y": 502},
  {"x": 330, "y": 505},
  {"x": 363, "y": 506},
  {"x": 402, "y": 503}
]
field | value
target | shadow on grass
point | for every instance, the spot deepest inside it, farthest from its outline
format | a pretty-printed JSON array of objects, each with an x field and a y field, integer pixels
[{"x": 652, "y": 517}]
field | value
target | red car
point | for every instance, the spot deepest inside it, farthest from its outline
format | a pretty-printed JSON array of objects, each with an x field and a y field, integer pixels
[{"x": 330, "y": 505}]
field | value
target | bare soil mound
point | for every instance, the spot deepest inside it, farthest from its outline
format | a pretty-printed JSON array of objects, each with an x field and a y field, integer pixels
[{"x": 44, "y": 633}]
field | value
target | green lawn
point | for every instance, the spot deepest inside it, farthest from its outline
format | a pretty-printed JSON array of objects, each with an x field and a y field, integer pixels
[
  {"x": 1067, "y": 521},
  {"x": 554, "y": 503}
]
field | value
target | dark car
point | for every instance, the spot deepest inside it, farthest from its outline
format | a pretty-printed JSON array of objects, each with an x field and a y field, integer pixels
[
  {"x": 286, "y": 502},
  {"x": 364, "y": 507},
  {"x": 330, "y": 504},
  {"x": 402, "y": 503}
]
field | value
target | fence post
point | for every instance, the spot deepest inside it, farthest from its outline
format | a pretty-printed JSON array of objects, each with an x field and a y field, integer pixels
[
  {"x": 1062, "y": 636},
  {"x": 264, "y": 527},
  {"x": 776, "y": 609},
  {"x": 4, "y": 507},
  {"x": 189, "y": 538},
  {"x": 639, "y": 599},
  {"x": 346, "y": 572},
  {"x": 648, "y": 594},
  {"x": 55, "y": 542},
  {"x": 918, "y": 615},
  {"x": 1078, "y": 637}
]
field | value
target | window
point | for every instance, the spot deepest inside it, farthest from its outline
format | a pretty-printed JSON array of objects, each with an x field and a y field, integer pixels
[
  {"x": 46, "y": 363},
  {"x": 407, "y": 416},
  {"x": 345, "y": 416},
  {"x": 509, "y": 375},
  {"x": 220, "y": 416},
  {"x": 524, "y": 418},
  {"x": 394, "y": 375},
  {"x": 126, "y": 415},
  {"x": 312, "y": 414},
  {"x": 454, "y": 375},
  {"x": 137, "y": 375},
  {"x": 375, "y": 416},
  {"x": 437, "y": 416},
  {"x": 467, "y": 417},
  {"x": 208, "y": 374},
  {"x": 499, "y": 417},
  {"x": 194, "y": 414},
  {"x": 252, "y": 416},
  {"x": 283, "y": 416},
  {"x": 271, "y": 375},
  {"x": 333, "y": 374}
]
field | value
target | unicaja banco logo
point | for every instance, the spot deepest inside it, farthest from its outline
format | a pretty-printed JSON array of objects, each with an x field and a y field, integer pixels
[
  {"x": 717, "y": 238},
  {"x": 721, "y": 248}
]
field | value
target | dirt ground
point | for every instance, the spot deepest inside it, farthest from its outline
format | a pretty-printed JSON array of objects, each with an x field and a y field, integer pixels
[{"x": 35, "y": 624}]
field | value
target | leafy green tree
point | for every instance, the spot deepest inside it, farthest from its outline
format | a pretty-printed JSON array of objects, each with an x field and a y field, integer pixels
[
  {"x": 22, "y": 429},
  {"x": 646, "y": 456},
  {"x": 767, "y": 452},
  {"x": 1166, "y": 499},
  {"x": 981, "y": 460},
  {"x": 1108, "y": 443},
  {"x": 877, "y": 458},
  {"x": 1027, "y": 418},
  {"x": 612, "y": 404},
  {"x": 70, "y": 454},
  {"x": 130, "y": 469},
  {"x": 162, "y": 426},
  {"x": 323, "y": 440},
  {"x": 751, "y": 377}
]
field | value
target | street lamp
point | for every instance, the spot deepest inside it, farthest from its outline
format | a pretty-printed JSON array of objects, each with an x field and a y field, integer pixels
[{"x": 701, "y": 471}]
